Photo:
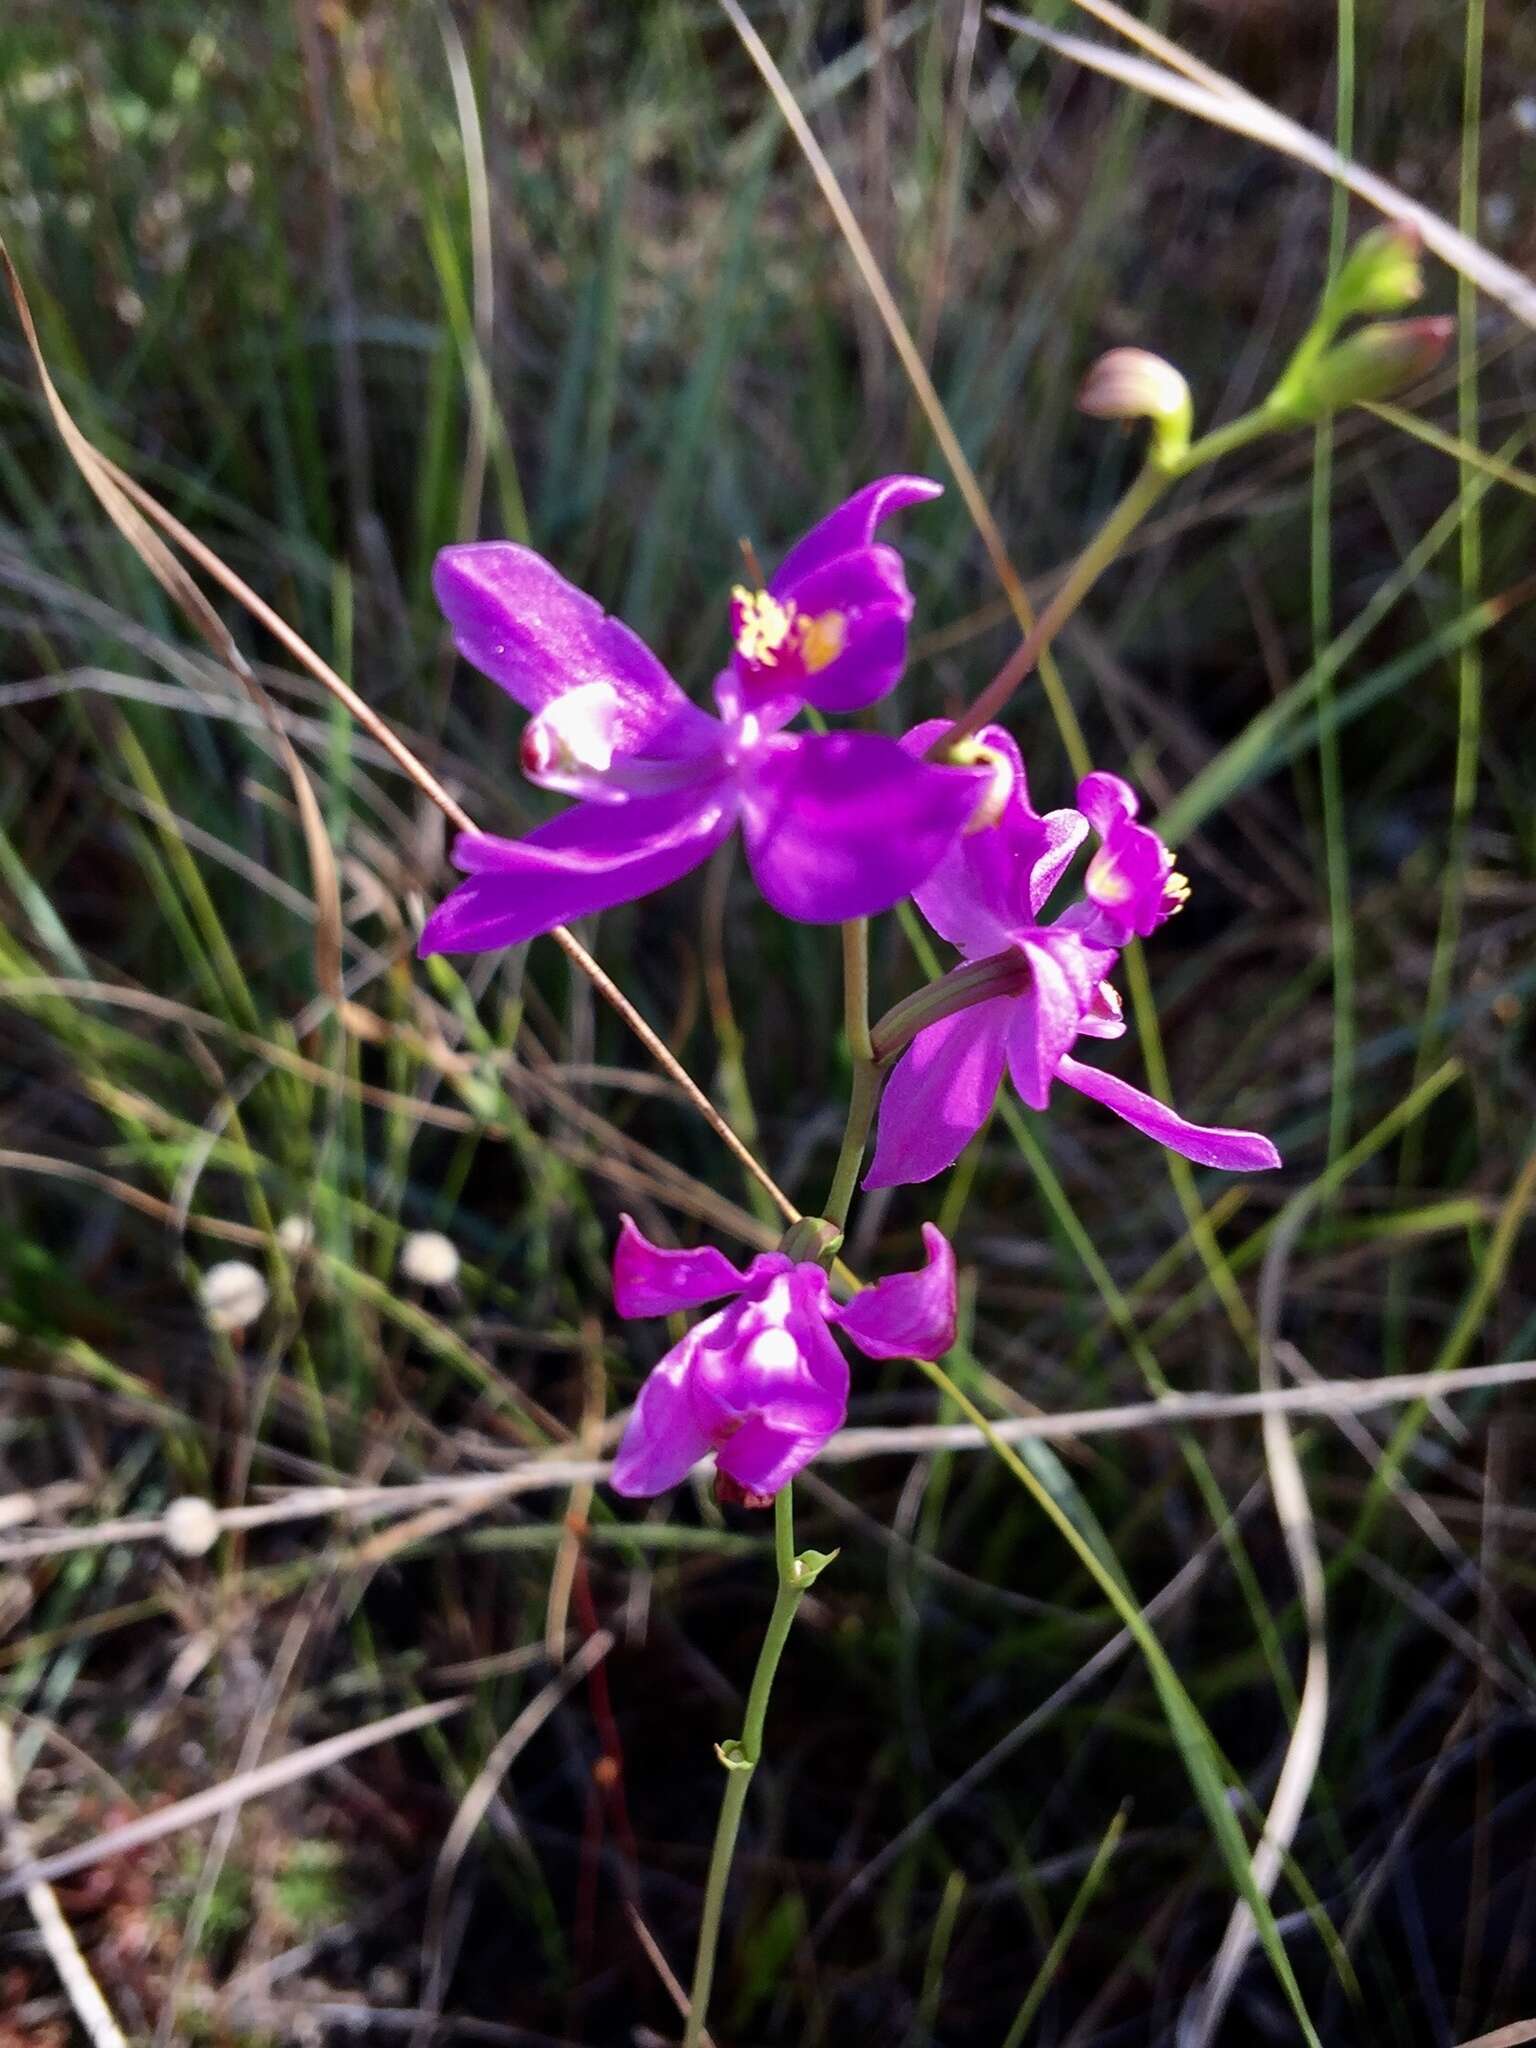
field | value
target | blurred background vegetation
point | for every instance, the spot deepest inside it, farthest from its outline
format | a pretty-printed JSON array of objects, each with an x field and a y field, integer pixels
[{"x": 342, "y": 282}]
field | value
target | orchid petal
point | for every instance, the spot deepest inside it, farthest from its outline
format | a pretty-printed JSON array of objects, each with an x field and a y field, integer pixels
[
  {"x": 995, "y": 879},
  {"x": 651, "y": 1280},
  {"x": 519, "y": 621},
  {"x": 590, "y": 858},
  {"x": 907, "y": 1315},
  {"x": 859, "y": 604},
  {"x": 767, "y": 1452},
  {"x": 662, "y": 1442},
  {"x": 1237, "y": 1151},
  {"x": 1048, "y": 1015},
  {"x": 845, "y": 824},
  {"x": 940, "y": 1093},
  {"x": 768, "y": 1385},
  {"x": 851, "y": 526},
  {"x": 1106, "y": 801}
]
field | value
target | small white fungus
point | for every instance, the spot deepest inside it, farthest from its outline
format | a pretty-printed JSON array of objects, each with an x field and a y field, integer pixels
[
  {"x": 296, "y": 1233},
  {"x": 429, "y": 1259},
  {"x": 191, "y": 1526},
  {"x": 233, "y": 1294},
  {"x": 1524, "y": 111}
]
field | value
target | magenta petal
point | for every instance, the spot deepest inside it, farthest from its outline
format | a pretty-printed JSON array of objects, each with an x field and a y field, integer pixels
[
  {"x": 845, "y": 824},
  {"x": 662, "y": 1442},
  {"x": 1048, "y": 1016},
  {"x": 590, "y": 858},
  {"x": 770, "y": 1350},
  {"x": 649, "y": 1280},
  {"x": 907, "y": 1315},
  {"x": 994, "y": 880},
  {"x": 521, "y": 623},
  {"x": 866, "y": 594},
  {"x": 939, "y": 1094},
  {"x": 1106, "y": 800},
  {"x": 769, "y": 1385},
  {"x": 768, "y": 1451},
  {"x": 1237, "y": 1151},
  {"x": 852, "y": 525}
]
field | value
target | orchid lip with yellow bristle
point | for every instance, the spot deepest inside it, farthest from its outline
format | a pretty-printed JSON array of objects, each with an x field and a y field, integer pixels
[
  {"x": 764, "y": 626},
  {"x": 772, "y": 632}
]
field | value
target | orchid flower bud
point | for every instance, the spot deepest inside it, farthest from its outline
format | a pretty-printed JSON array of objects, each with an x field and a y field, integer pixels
[
  {"x": 1373, "y": 363},
  {"x": 1381, "y": 274},
  {"x": 1133, "y": 384},
  {"x": 813, "y": 1239}
]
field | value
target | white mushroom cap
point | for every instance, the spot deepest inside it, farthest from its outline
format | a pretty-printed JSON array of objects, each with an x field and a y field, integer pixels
[
  {"x": 191, "y": 1526},
  {"x": 429, "y": 1259},
  {"x": 233, "y": 1295}
]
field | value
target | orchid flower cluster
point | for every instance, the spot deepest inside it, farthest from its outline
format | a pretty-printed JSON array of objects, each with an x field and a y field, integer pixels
[{"x": 838, "y": 825}]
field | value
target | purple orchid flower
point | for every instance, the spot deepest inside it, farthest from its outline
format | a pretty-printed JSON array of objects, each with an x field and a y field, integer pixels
[
  {"x": 761, "y": 1383},
  {"x": 986, "y": 897},
  {"x": 837, "y": 825}
]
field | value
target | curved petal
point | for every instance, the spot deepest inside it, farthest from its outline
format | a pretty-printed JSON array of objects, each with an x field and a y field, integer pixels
[
  {"x": 1049, "y": 1014},
  {"x": 939, "y": 1094},
  {"x": 770, "y": 1350},
  {"x": 519, "y": 621},
  {"x": 852, "y": 525},
  {"x": 1130, "y": 878},
  {"x": 852, "y": 613},
  {"x": 766, "y": 1453},
  {"x": 845, "y": 824},
  {"x": 649, "y": 1280},
  {"x": 996, "y": 878},
  {"x": 662, "y": 1441},
  {"x": 1237, "y": 1151},
  {"x": 907, "y": 1315},
  {"x": 768, "y": 1385},
  {"x": 1106, "y": 800},
  {"x": 589, "y": 858}
]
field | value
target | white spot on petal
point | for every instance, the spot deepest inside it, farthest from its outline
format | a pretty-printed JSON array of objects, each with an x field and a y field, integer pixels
[{"x": 774, "y": 1350}]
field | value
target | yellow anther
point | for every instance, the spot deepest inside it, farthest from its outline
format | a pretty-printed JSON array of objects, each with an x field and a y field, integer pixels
[
  {"x": 763, "y": 625},
  {"x": 822, "y": 639},
  {"x": 1176, "y": 892}
]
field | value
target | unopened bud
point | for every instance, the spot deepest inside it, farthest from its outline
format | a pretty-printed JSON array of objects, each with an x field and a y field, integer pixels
[
  {"x": 814, "y": 1240},
  {"x": 1134, "y": 384},
  {"x": 1381, "y": 273},
  {"x": 1373, "y": 363}
]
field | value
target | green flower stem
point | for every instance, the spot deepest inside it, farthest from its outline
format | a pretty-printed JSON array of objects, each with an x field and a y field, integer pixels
[
  {"x": 741, "y": 1758},
  {"x": 867, "y": 1074},
  {"x": 1159, "y": 471},
  {"x": 1138, "y": 501}
]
